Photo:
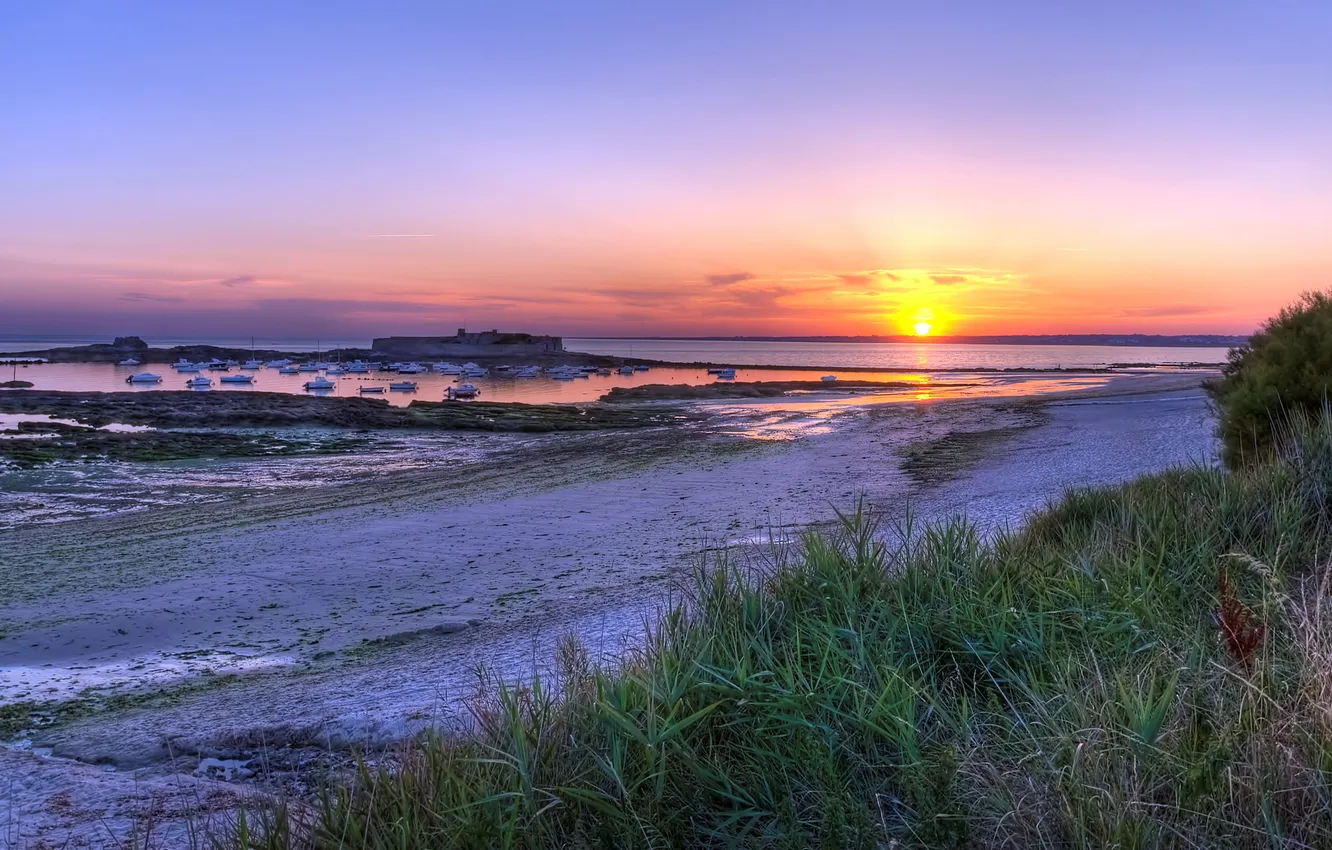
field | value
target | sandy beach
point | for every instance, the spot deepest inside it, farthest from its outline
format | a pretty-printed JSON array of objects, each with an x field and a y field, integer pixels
[{"x": 165, "y": 650}]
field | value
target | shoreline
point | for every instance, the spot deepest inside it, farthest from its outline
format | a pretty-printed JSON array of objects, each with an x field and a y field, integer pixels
[{"x": 409, "y": 580}]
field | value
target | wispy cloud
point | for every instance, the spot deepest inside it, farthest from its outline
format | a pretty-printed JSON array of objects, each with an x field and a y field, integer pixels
[
  {"x": 857, "y": 279},
  {"x": 150, "y": 297},
  {"x": 1165, "y": 310},
  {"x": 400, "y": 236},
  {"x": 729, "y": 279},
  {"x": 240, "y": 280}
]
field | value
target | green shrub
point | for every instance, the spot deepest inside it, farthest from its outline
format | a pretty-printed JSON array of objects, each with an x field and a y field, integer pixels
[{"x": 1285, "y": 369}]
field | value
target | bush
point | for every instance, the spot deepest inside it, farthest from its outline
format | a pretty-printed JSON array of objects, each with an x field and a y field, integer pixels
[{"x": 1284, "y": 370}]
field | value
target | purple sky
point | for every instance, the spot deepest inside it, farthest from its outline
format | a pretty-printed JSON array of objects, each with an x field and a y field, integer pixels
[{"x": 338, "y": 169}]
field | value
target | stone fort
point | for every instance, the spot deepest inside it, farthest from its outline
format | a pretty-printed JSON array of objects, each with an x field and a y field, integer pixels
[{"x": 463, "y": 344}]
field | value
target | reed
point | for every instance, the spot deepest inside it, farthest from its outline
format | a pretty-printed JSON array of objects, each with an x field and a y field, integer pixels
[{"x": 1145, "y": 665}]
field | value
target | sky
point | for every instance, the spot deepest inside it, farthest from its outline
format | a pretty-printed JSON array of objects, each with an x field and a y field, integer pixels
[{"x": 683, "y": 168}]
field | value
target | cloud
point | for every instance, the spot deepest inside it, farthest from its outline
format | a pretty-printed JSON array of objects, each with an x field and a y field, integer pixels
[
  {"x": 240, "y": 280},
  {"x": 857, "y": 279},
  {"x": 948, "y": 279},
  {"x": 1166, "y": 310},
  {"x": 348, "y": 306},
  {"x": 729, "y": 279},
  {"x": 147, "y": 296}
]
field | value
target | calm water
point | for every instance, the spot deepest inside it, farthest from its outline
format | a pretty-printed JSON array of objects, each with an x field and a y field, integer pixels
[
  {"x": 107, "y": 377},
  {"x": 924, "y": 356}
]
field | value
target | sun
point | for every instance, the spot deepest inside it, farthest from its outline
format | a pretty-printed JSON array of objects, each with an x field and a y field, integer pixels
[{"x": 921, "y": 328}]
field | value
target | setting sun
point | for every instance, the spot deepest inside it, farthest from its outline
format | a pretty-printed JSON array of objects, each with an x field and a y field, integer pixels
[{"x": 921, "y": 328}]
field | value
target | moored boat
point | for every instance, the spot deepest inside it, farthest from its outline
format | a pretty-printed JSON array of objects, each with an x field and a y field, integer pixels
[
  {"x": 199, "y": 382},
  {"x": 236, "y": 379},
  {"x": 144, "y": 378},
  {"x": 403, "y": 386},
  {"x": 464, "y": 391},
  {"x": 320, "y": 383}
]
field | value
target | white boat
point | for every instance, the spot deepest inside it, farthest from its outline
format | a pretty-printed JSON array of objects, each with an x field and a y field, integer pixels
[
  {"x": 186, "y": 368},
  {"x": 181, "y": 363},
  {"x": 448, "y": 368},
  {"x": 217, "y": 365},
  {"x": 605, "y": 373},
  {"x": 308, "y": 367},
  {"x": 411, "y": 369},
  {"x": 626, "y": 370},
  {"x": 199, "y": 382},
  {"x": 725, "y": 374},
  {"x": 403, "y": 386},
  {"x": 335, "y": 371},
  {"x": 278, "y": 364},
  {"x": 129, "y": 362},
  {"x": 357, "y": 367},
  {"x": 236, "y": 379},
  {"x": 144, "y": 378},
  {"x": 371, "y": 389},
  {"x": 828, "y": 379},
  {"x": 320, "y": 383},
  {"x": 252, "y": 364},
  {"x": 464, "y": 391},
  {"x": 641, "y": 368},
  {"x": 289, "y": 370},
  {"x": 528, "y": 372}
]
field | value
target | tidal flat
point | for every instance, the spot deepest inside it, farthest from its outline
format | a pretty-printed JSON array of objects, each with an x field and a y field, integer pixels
[{"x": 274, "y": 628}]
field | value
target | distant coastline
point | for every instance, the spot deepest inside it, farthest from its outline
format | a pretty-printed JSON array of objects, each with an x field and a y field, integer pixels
[{"x": 1116, "y": 340}]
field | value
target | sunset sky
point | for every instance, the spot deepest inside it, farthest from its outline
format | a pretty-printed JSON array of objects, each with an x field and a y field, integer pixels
[{"x": 336, "y": 169}]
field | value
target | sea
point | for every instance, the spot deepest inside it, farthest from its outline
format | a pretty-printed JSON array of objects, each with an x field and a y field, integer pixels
[
  {"x": 974, "y": 370},
  {"x": 934, "y": 356}
]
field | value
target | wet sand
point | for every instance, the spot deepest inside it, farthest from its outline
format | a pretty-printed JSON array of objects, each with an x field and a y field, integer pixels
[{"x": 359, "y": 611}]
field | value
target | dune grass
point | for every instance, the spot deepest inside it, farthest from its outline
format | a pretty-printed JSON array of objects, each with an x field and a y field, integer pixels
[{"x": 1141, "y": 666}]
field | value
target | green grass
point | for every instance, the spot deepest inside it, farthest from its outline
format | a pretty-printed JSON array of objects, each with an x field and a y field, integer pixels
[{"x": 1066, "y": 685}]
